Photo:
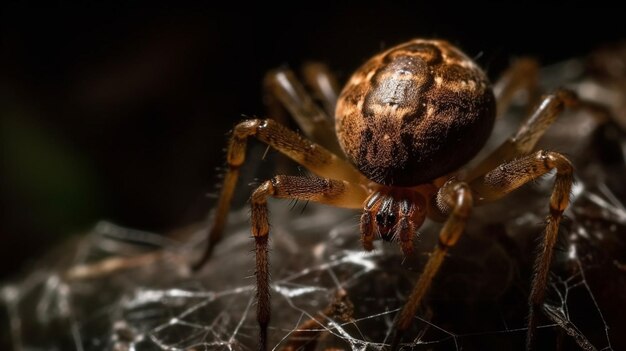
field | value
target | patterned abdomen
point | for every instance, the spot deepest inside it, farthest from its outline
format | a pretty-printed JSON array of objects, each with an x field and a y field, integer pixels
[{"x": 414, "y": 112}]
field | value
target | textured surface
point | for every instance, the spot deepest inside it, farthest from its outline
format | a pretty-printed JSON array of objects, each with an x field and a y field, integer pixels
[{"x": 414, "y": 112}]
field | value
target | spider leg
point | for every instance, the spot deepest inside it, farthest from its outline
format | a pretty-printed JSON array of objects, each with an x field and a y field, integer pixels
[
  {"x": 324, "y": 85},
  {"x": 533, "y": 128},
  {"x": 282, "y": 85},
  {"x": 326, "y": 191},
  {"x": 508, "y": 177},
  {"x": 308, "y": 154},
  {"x": 524, "y": 140},
  {"x": 522, "y": 75},
  {"x": 455, "y": 200}
]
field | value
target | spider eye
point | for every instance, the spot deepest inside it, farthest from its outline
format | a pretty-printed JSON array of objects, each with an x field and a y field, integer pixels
[
  {"x": 379, "y": 218},
  {"x": 391, "y": 218},
  {"x": 385, "y": 219}
]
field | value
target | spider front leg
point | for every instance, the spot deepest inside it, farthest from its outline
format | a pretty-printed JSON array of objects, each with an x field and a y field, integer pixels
[
  {"x": 509, "y": 177},
  {"x": 310, "y": 155},
  {"x": 455, "y": 200},
  {"x": 325, "y": 191}
]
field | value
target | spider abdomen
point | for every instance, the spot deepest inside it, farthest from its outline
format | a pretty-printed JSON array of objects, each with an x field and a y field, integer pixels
[{"x": 414, "y": 112}]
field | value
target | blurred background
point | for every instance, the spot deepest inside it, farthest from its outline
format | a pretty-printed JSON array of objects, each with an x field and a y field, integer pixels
[{"x": 120, "y": 112}]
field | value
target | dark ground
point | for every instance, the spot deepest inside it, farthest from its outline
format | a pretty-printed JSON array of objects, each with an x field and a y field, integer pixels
[{"x": 120, "y": 112}]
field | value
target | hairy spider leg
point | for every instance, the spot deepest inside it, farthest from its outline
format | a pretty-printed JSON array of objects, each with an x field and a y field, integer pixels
[
  {"x": 454, "y": 199},
  {"x": 489, "y": 181},
  {"x": 532, "y": 129},
  {"x": 522, "y": 143},
  {"x": 510, "y": 176},
  {"x": 314, "y": 157},
  {"x": 524, "y": 139},
  {"x": 322, "y": 190}
]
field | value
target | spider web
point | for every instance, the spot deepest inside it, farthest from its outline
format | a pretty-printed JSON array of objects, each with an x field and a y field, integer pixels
[{"x": 121, "y": 289}]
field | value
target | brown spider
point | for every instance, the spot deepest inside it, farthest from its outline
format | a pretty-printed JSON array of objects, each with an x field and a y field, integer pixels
[{"x": 406, "y": 121}]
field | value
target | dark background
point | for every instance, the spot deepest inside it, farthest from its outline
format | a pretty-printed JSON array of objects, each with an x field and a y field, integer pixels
[{"x": 120, "y": 112}]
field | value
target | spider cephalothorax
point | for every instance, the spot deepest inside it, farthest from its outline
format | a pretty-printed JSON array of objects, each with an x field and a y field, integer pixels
[{"x": 407, "y": 120}]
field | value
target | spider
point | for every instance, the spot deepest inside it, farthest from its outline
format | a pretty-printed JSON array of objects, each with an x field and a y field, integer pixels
[{"x": 406, "y": 121}]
